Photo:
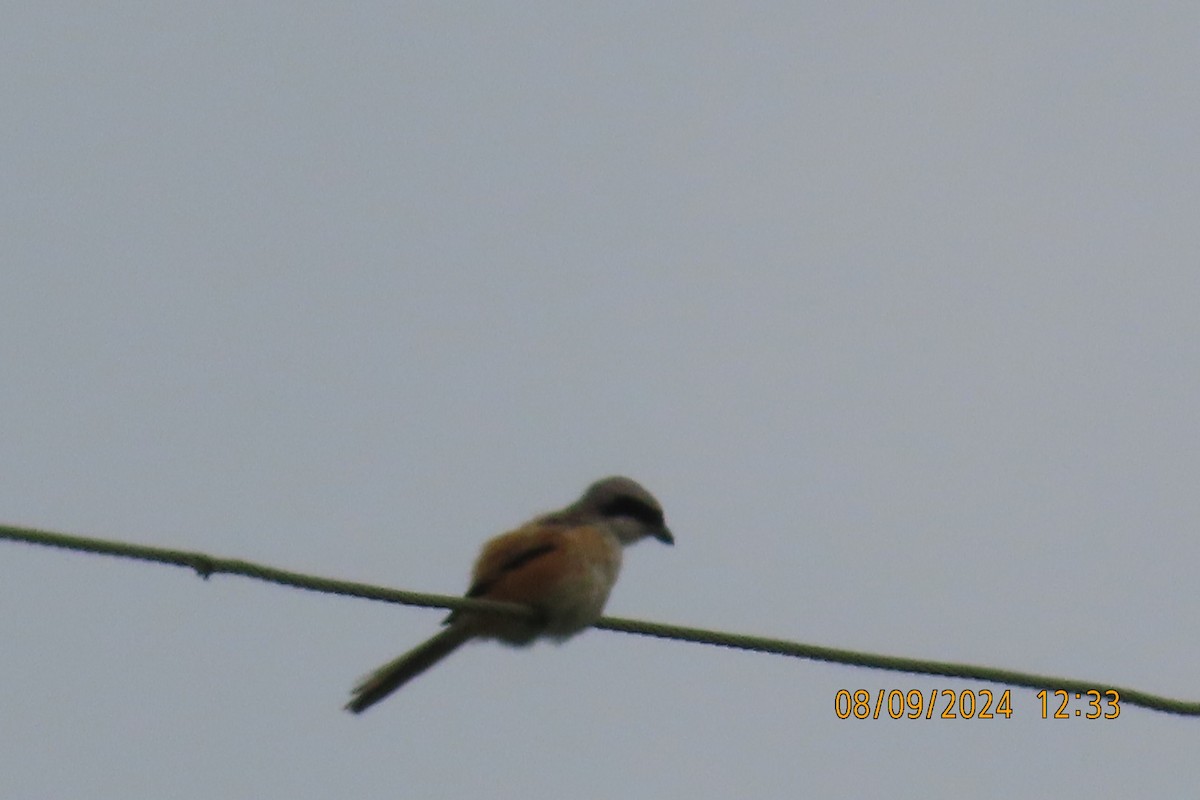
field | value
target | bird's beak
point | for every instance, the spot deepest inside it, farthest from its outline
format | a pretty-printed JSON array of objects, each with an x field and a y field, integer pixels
[{"x": 664, "y": 535}]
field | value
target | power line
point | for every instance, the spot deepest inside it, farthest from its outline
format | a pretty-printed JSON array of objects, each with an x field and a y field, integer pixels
[{"x": 206, "y": 565}]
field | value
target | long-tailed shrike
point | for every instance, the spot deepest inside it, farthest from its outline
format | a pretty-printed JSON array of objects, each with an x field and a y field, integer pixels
[{"x": 562, "y": 565}]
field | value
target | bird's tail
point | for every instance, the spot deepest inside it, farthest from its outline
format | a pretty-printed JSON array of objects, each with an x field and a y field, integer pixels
[{"x": 394, "y": 674}]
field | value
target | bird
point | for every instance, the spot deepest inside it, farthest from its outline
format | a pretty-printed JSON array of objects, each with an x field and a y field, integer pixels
[{"x": 562, "y": 565}]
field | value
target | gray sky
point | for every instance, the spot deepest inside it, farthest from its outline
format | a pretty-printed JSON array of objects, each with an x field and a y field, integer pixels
[{"x": 896, "y": 311}]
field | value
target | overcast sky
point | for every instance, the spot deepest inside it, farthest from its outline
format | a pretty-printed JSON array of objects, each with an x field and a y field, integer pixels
[{"x": 896, "y": 308}]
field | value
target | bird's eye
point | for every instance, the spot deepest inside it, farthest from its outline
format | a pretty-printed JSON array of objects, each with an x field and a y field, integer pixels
[{"x": 626, "y": 506}]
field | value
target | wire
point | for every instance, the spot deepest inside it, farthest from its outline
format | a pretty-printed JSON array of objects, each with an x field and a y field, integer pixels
[{"x": 206, "y": 566}]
